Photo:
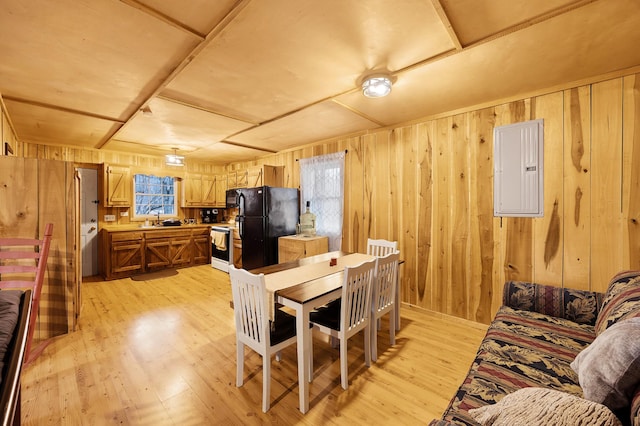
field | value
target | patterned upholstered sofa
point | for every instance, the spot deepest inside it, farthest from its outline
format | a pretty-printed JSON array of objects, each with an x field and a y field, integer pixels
[{"x": 534, "y": 340}]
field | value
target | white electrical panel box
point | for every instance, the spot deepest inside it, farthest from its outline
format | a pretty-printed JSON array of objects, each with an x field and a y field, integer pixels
[{"x": 518, "y": 169}]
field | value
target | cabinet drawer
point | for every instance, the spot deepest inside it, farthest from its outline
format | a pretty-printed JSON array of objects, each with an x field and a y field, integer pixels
[{"x": 126, "y": 236}]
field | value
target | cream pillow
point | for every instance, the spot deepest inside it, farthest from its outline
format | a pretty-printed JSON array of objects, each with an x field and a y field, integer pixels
[
  {"x": 609, "y": 368},
  {"x": 544, "y": 407}
]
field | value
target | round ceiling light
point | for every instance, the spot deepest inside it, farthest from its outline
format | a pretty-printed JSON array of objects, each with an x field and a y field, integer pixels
[{"x": 376, "y": 86}]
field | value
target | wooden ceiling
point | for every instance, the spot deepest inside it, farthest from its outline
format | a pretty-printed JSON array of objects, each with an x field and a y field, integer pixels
[{"x": 229, "y": 80}]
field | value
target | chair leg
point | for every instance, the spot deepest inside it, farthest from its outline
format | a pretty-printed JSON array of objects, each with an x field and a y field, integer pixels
[
  {"x": 392, "y": 326},
  {"x": 239, "y": 363},
  {"x": 266, "y": 382},
  {"x": 344, "y": 374},
  {"x": 374, "y": 342},
  {"x": 367, "y": 343},
  {"x": 310, "y": 354}
]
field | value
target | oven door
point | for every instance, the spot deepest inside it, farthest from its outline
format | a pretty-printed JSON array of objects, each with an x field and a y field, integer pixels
[{"x": 221, "y": 248}]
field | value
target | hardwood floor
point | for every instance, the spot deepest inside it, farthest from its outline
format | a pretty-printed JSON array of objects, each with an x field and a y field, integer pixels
[{"x": 162, "y": 352}]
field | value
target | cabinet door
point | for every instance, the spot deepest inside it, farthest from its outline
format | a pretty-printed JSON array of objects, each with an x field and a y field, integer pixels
[
  {"x": 208, "y": 185},
  {"x": 241, "y": 179},
  {"x": 232, "y": 180},
  {"x": 221, "y": 191},
  {"x": 157, "y": 254},
  {"x": 180, "y": 252},
  {"x": 201, "y": 249},
  {"x": 118, "y": 187},
  {"x": 192, "y": 192},
  {"x": 254, "y": 177}
]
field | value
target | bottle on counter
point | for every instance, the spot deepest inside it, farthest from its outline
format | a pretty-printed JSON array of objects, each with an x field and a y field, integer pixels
[{"x": 308, "y": 221}]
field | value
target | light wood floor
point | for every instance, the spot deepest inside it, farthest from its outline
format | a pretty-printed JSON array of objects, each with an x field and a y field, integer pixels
[{"x": 162, "y": 352}]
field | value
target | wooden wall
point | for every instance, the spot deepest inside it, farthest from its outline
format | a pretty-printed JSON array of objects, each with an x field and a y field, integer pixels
[
  {"x": 429, "y": 185},
  {"x": 34, "y": 192}
]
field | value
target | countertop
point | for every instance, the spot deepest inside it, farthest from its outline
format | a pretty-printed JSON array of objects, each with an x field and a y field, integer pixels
[{"x": 137, "y": 227}]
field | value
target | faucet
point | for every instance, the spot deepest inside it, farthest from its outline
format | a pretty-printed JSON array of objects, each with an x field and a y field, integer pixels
[{"x": 158, "y": 221}]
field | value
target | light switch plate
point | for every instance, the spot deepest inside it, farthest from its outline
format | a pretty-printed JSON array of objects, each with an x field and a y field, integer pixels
[{"x": 109, "y": 218}]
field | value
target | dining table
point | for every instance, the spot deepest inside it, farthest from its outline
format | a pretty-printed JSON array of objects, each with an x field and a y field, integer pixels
[{"x": 303, "y": 285}]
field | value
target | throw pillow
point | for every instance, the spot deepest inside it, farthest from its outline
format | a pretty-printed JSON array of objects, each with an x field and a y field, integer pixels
[
  {"x": 609, "y": 368},
  {"x": 542, "y": 407},
  {"x": 621, "y": 301}
]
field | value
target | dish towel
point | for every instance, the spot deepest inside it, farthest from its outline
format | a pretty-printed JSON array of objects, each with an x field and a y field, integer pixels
[{"x": 219, "y": 240}]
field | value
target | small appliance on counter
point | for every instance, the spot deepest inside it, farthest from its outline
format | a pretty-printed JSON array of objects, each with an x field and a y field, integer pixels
[{"x": 209, "y": 215}]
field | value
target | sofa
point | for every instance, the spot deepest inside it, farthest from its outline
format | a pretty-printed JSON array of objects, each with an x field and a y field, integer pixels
[
  {"x": 15, "y": 309},
  {"x": 555, "y": 355}
]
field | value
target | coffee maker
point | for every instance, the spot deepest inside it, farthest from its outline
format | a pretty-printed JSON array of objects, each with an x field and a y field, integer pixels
[{"x": 209, "y": 215}]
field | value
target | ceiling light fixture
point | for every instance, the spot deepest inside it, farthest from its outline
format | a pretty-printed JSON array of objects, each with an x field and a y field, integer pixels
[
  {"x": 376, "y": 86},
  {"x": 174, "y": 159}
]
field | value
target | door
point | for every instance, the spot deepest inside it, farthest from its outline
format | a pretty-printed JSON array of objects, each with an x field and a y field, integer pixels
[
  {"x": 89, "y": 221},
  {"x": 252, "y": 202},
  {"x": 253, "y": 243}
]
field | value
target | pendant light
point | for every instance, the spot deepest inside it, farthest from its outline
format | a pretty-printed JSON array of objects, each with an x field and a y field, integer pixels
[{"x": 174, "y": 159}]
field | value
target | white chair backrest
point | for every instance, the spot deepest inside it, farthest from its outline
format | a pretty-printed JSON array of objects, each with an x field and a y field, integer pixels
[
  {"x": 252, "y": 318},
  {"x": 384, "y": 290},
  {"x": 381, "y": 247},
  {"x": 356, "y": 295}
]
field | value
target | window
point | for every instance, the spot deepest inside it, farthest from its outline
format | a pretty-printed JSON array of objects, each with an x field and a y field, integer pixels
[
  {"x": 322, "y": 183},
  {"x": 153, "y": 195}
]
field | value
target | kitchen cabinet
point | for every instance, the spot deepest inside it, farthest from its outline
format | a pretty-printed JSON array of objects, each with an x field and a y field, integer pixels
[
  {"x": 237, "y": 249},
  {"x": 256, "y": 176},
  {"x": 129, "y": 253},
  {"x": 117, "y": 186},
  {"x": 199, "y": 190},
  {"x": 201, "y": 246},
  {"x": 125, "y": 254},
  {"x": 221, "y": 191},
  {"x": 294, "y": 247},
  {"x": 237, "y": 179},
  {"x": 265, "y": 176}
]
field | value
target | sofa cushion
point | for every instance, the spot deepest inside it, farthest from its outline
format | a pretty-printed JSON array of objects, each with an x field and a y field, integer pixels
[
  {"x": 609, "y": 368},
  {"x": 538, "y": 406},
  {"x": 621, "y": 301},
  {"x": 521, "y": 349},
  {"x": 581, "y": 306},
  {"x": 9, "y": 312}
]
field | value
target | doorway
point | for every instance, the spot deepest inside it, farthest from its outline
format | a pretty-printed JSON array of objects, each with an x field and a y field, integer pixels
[{"x": 89, "y": 221}]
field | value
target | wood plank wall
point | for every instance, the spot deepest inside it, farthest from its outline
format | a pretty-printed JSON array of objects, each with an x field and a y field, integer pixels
[
  {"x": 34, "y": 192},
  {"x": 429, "y": 185}
]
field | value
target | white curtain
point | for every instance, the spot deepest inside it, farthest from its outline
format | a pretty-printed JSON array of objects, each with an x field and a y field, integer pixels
[{"x": 322, "y": 183}]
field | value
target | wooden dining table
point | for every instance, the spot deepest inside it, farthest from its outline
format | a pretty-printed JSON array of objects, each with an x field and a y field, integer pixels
[{"x": 303, "y": 285}]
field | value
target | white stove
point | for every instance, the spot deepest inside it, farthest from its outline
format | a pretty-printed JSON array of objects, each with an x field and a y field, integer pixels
[{"x": 221, "y": 247}]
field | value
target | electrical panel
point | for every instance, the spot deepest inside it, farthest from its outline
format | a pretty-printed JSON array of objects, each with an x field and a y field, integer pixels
[{"x": 518, "y": 170}]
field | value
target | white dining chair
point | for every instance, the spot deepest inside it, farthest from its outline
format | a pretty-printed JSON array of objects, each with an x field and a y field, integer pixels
[
  {"x": 381, "y": 247},
  {"x": 253, "y": 328},
  {"x": 384, "y": 298},
  {"x": 344, "y": 317}
]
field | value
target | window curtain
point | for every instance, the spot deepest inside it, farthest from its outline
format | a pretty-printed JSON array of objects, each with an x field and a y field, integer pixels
[{"x": 322, "y": 183}]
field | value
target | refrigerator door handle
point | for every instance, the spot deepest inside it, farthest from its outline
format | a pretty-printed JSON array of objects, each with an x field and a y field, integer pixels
[{"x": 241, "y": 227}]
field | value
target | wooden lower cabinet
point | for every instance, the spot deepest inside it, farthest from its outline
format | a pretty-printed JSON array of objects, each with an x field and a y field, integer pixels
[
  {"x": 126, "y": 256},
  {"x": 131, "y": 253},
  {"x": 237, "y": 249},
  {"x": 294, "y": 247}
]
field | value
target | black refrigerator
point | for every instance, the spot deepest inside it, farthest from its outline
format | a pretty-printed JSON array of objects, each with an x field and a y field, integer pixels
[{"x": 264, "y": 214}]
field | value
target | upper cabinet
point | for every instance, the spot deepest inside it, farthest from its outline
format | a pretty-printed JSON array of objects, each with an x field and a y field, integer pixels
[
  {"x": 117, "y": 186},
  {"x": 201, "y": 190},
  {"x": 257, "y": 176}
]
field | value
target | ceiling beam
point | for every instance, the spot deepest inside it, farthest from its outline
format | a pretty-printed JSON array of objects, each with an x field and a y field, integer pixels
[
  {"x": 442, "y": 14},
  {"x": 239, "y": 6},
  {"x": 62, "y": 109},
  {"x": 162, "y": 17}
]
